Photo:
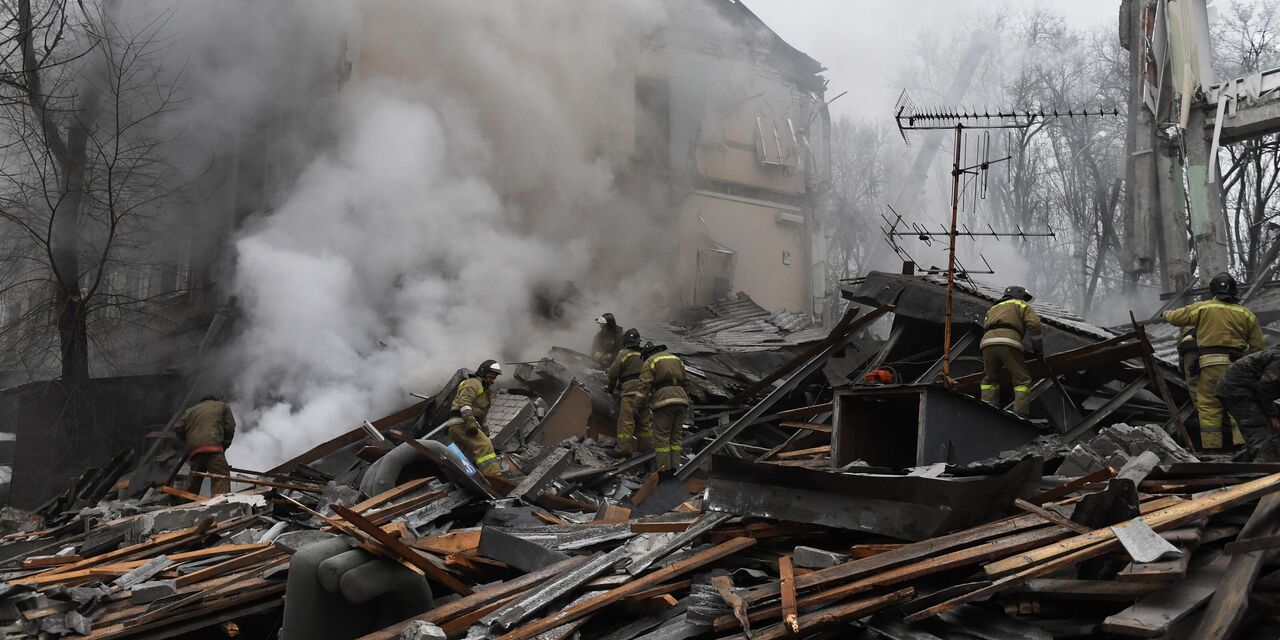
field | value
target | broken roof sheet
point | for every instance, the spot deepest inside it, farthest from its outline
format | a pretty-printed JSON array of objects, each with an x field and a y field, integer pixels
[{"x": 737, "y": 325}]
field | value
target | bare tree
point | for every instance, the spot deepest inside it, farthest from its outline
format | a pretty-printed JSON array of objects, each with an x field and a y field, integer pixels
[{"x": 83, "y": 176}]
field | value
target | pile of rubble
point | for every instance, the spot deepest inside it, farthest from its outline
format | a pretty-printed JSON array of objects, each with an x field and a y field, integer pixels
[{"x": 810, "y": 507}]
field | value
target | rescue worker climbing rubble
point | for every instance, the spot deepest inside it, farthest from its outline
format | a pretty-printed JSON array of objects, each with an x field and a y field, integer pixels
[
  {"x": 1248, "y": 391},
  {"x": 466, "y": 418},
  {"x": 208, "y": 428},
  {"x": 662, "y": 384},
  {"x": 1007, "y": 323},
  {"x": 608, "y": 341},
  {"x": 1225, "y": 332},
  {"x": 624, "y": 376}
]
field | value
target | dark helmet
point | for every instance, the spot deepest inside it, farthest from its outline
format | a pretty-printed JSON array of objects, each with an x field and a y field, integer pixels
[
  {"x": 487, "y": 367},
  {"x": 211, "y": 396},
  {"x": 1017, "y": 292},
  {"x": 1224, "y": 285},
  {"x": 650, "y": 348},
  {"x": 631, "y": 338},
  {"x": 607, "y": 320}
]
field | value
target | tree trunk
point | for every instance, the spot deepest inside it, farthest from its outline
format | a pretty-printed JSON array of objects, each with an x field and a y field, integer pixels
[{"x": 74, "y": 337}]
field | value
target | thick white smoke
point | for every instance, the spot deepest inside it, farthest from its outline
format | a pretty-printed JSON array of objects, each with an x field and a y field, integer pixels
[{"x": 473, "y": 159}]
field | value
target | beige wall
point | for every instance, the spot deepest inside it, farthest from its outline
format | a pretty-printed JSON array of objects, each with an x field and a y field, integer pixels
[
  {"x": 752, "y": 230},
  {"x": 728, "y": 151}
]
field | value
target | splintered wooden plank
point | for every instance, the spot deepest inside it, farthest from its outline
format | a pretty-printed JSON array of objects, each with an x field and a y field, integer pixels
[
  {"x": 646, "y": 489},
  {"x": 807, "y": 426},
  {"x": 402, "y": 550},
  {"x": 1072, "y": 486},
  {"x": 43, "y": 562},
  {"x": 390, "y": 494},
  {"x": 234, "y": 564},
  {"x": 801, "y": 453},
  {"x": 1151, "y": 616},
  {"x": 805, "y": 412},
  {"x": 1050, "y": 516},
  {"x": 453, "y": 542},
  {"x": 678, "y": 568},
  {"x": 392, "y": 511},
  {"x": 179, "y": 493},
  {"x": 724, "y": 586},
  {"x": 787, "y": 579}
]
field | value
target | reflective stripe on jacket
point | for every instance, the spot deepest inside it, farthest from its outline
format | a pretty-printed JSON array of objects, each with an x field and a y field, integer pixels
[
  {"x": 1008, "y": 321},
  {"x": 662, "y": 380}
]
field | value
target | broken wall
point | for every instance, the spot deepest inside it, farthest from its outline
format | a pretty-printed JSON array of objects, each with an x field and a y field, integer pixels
[{"x": 62, "y": 430}]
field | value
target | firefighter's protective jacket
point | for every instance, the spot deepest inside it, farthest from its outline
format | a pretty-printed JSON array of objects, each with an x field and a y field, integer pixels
[
  {"x": 605, "y": 346},
  {"x": 1008, "y": 321},
  {"x": 1222, "y": 328},
  {"x": 662, "y": 380},
  {"x": 208, "y": 427},
  {"x": 625, "y": 370},
  {"x": 471, "y": 403}
]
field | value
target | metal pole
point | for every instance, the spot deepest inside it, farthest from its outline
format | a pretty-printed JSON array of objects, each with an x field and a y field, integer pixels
[{"x": 951, "y": 256}]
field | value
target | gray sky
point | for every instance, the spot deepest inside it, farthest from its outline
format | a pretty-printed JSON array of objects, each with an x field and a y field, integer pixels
[{"x": 863, "y": 42}]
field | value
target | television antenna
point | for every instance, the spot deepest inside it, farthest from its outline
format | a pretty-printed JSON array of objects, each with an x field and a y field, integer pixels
[{"x": 911, "y": 117}]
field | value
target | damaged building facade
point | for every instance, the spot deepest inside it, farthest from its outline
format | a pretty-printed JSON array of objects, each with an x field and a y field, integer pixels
[{"x": 729, "y": 130}]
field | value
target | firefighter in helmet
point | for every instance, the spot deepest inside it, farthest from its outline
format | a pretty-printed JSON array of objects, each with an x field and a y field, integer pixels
[
  {"x": 662, "y": 384},
  {"x": 608, "y": 340},
  {"x": 1224, "y": 332},
  {"x": 466, "y": 417},
  {"x": 624, "y": 376},
  {"x": 1007, "y": 323}
]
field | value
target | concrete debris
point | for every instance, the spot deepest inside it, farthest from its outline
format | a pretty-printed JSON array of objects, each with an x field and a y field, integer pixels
[{"x": 420, "y": 630}]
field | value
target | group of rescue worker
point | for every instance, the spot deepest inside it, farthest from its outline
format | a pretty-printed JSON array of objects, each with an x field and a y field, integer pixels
[
  {"x": 649, "y": 382},
  {"x": 1229, "y": 372},
  {"x": 652, "y": 399},
  {"x": 1233, "y": 378}
]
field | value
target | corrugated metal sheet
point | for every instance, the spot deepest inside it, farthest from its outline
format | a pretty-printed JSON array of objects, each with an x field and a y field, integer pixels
[{"x": 737, "y": 326}]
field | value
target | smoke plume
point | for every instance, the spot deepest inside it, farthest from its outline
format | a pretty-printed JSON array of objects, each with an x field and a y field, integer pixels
[{"x": 469, "y": 159}]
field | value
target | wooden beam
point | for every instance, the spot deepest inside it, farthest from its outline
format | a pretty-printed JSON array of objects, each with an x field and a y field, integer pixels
[
  {"x": 390, "y": 494},
  {"x": 805, "y": 412},
  {"x": 1050, "y": 516},
  {"x": 787, "y": 581},
  {"x": 452, "y": 542},
  {"x": 815, "y": 451},
  {"x": 402, "y": 550},
  {"x": 807, "y": 426},
  {"x": 1101, "y": 475},
  {"x": 179, "y": 493}
]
